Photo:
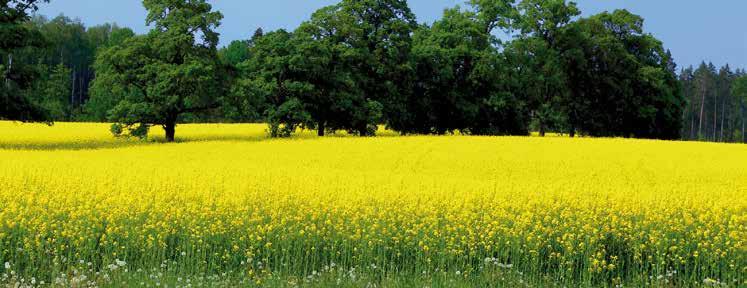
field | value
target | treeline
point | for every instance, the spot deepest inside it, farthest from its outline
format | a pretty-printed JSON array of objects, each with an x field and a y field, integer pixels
[
  {"x": 65, "y": 65},
  {"x": 362, "y": 63},
  {"x": 716, "y": 103},
  {"x": 60, "y": 62}
]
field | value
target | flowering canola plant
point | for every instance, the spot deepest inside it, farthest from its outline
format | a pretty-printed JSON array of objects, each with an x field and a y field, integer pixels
[{"x": 227, "y": 199}]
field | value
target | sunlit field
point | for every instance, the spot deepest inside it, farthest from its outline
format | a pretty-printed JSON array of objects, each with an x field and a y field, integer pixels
[{"x": 225, "y": 206}]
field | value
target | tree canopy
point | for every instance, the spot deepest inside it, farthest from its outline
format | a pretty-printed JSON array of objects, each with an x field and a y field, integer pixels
[
  {"x": 622, "y": 81},
  {"x": 16, "y": 35},
  {"x": 360, "y": 64},
  {"x": 171, "y": 71}
]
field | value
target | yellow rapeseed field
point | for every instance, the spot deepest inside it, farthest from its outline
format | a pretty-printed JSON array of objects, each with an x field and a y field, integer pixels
[{"x": 225, "y": 199}]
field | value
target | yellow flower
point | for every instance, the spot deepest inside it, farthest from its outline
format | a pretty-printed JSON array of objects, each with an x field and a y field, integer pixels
[{"x": 223, "y": 196}]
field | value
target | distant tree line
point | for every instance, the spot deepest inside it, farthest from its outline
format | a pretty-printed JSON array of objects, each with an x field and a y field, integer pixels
[
  {"x": 716, "y": 103},
  {"x": 54, "y": 62},
  {"x": 362, "y": 63}
]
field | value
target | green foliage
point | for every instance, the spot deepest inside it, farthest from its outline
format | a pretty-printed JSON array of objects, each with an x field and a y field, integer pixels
[
  {"x": 105, "y": 91},
  {"x": 169, "y": 72},
  {"x": 356, "y": 58},
  {"x": 341, "y": 66},
  {"x": 442, "y": 99},
  {"x": 540, "y": 77},
  {"x": 458, "y": 79},
  {"x": 621, "y": 80},
  {"x": 544, "y": 19},
  {"x": 540, "y": 81},
  {"x": 13, "y": 33},
  {"x": 16, "y": 77},
  {"x": 139, "y": 130},
  {"x": 68, "y": 42},
  {"x": 107, "y": 35},
  {"x": 493, "y": 14},
  {"x": 360, "y": 63},
  {"x": 326, "y": 63},
  {"x": 234, "y": 53},
  {"x": 287, "y": 118},
  {"x": 52, "y": 91},
  {"x": 368, "y": 44},
  {"x": 739, "y": 89},
  {"x": 266, "y": 80}
]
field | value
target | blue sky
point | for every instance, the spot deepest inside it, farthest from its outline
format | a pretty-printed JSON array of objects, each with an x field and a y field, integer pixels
[{"x": 694, "y": 30}]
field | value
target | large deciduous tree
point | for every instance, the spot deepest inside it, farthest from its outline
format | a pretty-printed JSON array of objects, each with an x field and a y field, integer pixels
[
  {"x": 330, "y": 65},
  {"x": 539, "y": 76},
  {"x": 15, "y": 35},
  {"x": 362, "y": 49},
  {"x": 379, "y": 35},
  {"x": 270, "y": 83},
  {"x": 105, "y": 90},
  {"x": 621, "y": 80},
  {"x": 459, "y": 82},
  {"x": 171, "y": 71},
  {"x": 347, "y": 68}
]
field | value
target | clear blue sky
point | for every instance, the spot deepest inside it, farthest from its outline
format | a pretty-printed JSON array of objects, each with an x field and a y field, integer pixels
[{"x": 694, "y": 30}]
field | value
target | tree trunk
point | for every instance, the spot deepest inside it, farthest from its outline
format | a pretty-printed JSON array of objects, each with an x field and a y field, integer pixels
[
  {"x": 573, "y": 132},
  {"x": 715, "y": 116},
  {"x": 320, "y": 129},
  {"x": 170, "y": 129},
  {"x": 542, "y": 128},
  {"x": 692, "y": 119},
  {"x": 744, "y": 139},
  {"x": 72, "y": 90},
  {"x": 80, "y": 91},
  {"x": 10, "y": 67},
  {"x": 723, "y": 115},
  {"x": 363, "y": 131},
  {"x": 702, "y": 108}
]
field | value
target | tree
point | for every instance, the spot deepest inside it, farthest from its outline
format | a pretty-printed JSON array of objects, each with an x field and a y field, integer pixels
[
  {"x": 378, "y": 33},
  {"x": 168, "y": 72},
  {"x": 105, "y": 90},
  {"x": 15, "y": 35},
  {"x": 236, "y": 52},
  {"x": 346, "y": 68},
  {"x": 286, "y": 118},
  {"x": 327, "y": 64},
  {"x": 444, "y": 56},
  {"x": 68, "y": 42},
  {"x": 494, "y": 14},
  {"x": 107, "y": 35},
  {"x": 458, "y": 81},
  {"x": 539, "y": 79},
  {"x": 723, "y": 85},
  {"x": 52, "y": 92},
  {"x": 714, "y": 113},
  {"x": 269, "y": 85},
  {"x": 687, "y": 83},
  {"x": 704, "y": 79},
  {"x": 541, "y": 76},
  {"x": 739, "y": 90},
  {"x": 622, "y": 81}
]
